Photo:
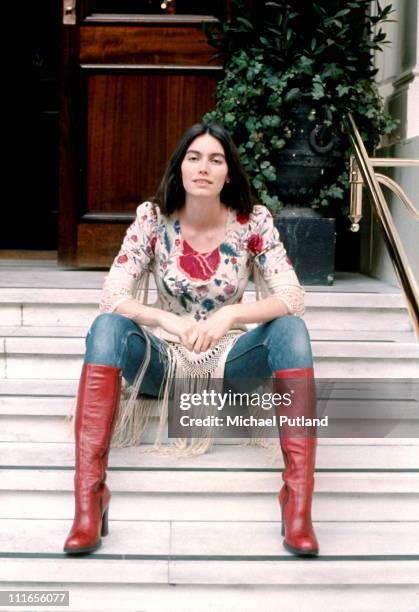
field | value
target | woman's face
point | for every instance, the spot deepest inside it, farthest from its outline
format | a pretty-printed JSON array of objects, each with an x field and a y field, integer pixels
[{"x": 204, "y": 167}]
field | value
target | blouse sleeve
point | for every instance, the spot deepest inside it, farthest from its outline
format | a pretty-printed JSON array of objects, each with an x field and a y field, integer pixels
[
  {"x": 135, "y": 255},
  {"x": 273, "y": 264}
]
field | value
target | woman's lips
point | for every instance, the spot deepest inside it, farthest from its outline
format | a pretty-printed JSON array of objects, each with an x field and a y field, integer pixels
[{"x": 202, "y": 182}]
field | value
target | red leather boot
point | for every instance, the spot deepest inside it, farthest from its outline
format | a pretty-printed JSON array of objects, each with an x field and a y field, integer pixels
[
  {"x": 298, "y": 446},
  {"x": 97, "y": 408}
]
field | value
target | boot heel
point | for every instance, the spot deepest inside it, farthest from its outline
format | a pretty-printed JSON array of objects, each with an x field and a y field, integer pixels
[
  {"x": 282, "y": 504},
  {"x": 105, "y": 525}
]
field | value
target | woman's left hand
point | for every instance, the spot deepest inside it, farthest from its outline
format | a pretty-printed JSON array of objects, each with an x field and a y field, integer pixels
[{"x": 208, "y": 332}]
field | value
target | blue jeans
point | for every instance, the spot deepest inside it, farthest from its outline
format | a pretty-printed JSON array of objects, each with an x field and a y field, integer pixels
[{"x": 281, "y": 344}]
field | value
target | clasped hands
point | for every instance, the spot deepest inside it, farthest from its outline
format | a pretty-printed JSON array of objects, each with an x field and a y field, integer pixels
[{"x": 201, "y": 335}]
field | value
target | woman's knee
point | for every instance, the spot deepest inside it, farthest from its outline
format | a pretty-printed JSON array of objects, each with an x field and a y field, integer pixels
[
  {"x": 289, "y": 326},
  {"x": 289, "y": 342},
  {"x": 110, "y": 325},
  {"x": 106, "y": 338}
]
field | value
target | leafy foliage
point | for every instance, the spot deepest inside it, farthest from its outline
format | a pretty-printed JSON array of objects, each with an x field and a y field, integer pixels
[{"x": 284, "y": 51}]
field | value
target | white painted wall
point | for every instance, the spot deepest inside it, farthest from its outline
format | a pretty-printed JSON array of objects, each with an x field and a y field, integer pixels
[
  {"x": 398, "y": 64},
  {"x": 375, "y": 259},
  {"x": 398, "y": 83}
]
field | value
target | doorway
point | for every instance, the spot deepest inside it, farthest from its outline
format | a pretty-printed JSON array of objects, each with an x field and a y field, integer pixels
[{"x": 30, "y": 213}]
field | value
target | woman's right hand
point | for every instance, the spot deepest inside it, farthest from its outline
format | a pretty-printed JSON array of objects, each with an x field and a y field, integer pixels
[
  {"x": 184, "y": 329},
  {"x": 141, "y": 314}
]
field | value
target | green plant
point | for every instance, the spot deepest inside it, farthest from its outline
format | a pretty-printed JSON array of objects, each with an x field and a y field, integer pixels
[{"x": 279, "y": 52}]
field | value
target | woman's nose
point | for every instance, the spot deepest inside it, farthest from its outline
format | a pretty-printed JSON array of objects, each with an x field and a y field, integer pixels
[{"x": 203, "y": 164}]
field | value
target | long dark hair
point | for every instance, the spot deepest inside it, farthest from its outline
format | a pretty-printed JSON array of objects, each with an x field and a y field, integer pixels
[{"x": 170, "y": 195}]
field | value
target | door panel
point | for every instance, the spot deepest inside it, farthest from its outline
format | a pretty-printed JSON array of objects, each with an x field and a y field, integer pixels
[
  {"x": 154, "y": 7},
  {"x": 134, "y": 123},
  {"x": 146, "y": 43},
  {"x": 129, "y": 91}
]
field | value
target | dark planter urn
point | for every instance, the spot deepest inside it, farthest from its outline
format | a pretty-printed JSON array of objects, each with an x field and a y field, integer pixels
[
  {"x": 309, "y": 240},
  {"x": 312, "y": 157}
]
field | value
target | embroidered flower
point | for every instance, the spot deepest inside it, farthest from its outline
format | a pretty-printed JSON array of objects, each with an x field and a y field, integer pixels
[
  {"x": 229, "y": 289},
  {"x": 234, "y": 260},
  {"x": 180, "y": 287},
  {"x": 208, "y": 304},
  {"x": 153, "y": 243},
  {"x": 134, "y": 238},
  {"x": 262, "y": 259},
  {"x": 122, "y": 259},
  {"x": 242, "y": 217},
  {"x": 202, "y": 289},
  {"x": 255, "y": 244},
  {"x": 198, "y": 266}
]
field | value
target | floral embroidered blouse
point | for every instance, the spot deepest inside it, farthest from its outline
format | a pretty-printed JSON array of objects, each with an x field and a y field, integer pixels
[{"x": 193, "y": 284}]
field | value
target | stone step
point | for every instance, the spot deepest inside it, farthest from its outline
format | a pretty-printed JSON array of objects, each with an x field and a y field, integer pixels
[
  {"x": 325, "y": 309},
  {"x": 56, "y": 331},
  {"x": 97, "y": 597},
  {"x": 329, "y": 318},
  {"x": 30, "y": 428},
  {"x": 214, "y": 552},
  {"x": 335, "y": 456},
  {"x": 39, "y": 387},
  {"x": 392, "y": 390},
  {"x": 390, "y": 299},
  {"x": 41, "y": 274},
  {"x": 61, "y": 358},
  {"x": 358, "y": 335},
  {"x": 244, "y": 539},
  {"x": 36, "y": 405},
  {"x": 339, "y": 507},
  {"x": 138, "y": 480},
  {"x": 379, "y": 407},
  {"x": 403, "y": 346}
]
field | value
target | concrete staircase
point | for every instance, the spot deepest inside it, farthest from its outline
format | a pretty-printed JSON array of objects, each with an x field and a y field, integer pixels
[{"x": 204, "y": 533}]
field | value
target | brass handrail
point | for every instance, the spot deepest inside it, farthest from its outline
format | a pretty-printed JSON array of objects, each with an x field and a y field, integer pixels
[{"x": 362, "y": 174}]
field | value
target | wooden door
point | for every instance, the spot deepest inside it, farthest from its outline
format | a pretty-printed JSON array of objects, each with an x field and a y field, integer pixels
[{"x": 135, "y": 75}]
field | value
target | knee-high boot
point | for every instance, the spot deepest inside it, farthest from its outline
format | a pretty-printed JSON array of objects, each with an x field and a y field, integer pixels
[
  {"x": 299, "y": 454},
  {"x": 97, "y": 408}
]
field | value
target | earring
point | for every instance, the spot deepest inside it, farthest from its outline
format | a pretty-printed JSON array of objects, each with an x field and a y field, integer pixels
[{"x": 227, "y": 180}]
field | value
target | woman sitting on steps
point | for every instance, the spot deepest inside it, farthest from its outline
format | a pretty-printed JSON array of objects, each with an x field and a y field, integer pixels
[{"x": 202, "y": 236}]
